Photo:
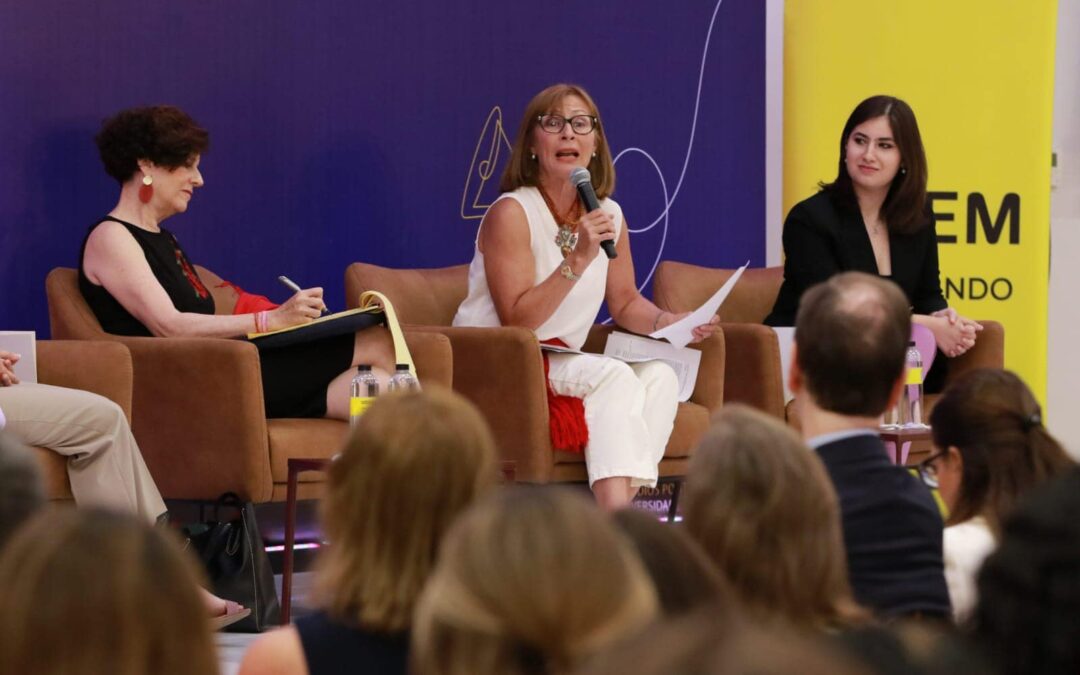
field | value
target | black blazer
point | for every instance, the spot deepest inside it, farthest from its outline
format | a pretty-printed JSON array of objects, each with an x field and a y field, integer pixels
[
  {"x": 823, "y": 237},
  {"x": 892, "y": 530}
]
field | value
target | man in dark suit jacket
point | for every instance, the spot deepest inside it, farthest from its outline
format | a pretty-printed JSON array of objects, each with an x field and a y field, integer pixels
[{"x": 851, "y": 335}]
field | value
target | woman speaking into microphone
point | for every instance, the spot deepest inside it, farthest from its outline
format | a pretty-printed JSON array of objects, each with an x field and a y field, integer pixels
[{"x": 538, "y": 264}]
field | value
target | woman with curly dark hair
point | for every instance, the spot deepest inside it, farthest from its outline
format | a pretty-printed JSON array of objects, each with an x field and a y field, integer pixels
[
  {"x": 991, "y": 449},
  {"x": 138, "y": 280}
]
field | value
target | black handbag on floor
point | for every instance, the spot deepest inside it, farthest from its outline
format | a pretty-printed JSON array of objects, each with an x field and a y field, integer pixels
[{"x": 233, "y": 555}]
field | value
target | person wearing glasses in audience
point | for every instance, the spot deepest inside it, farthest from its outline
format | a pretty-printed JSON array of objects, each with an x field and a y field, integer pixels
[
  {"x": 991, "y": 448},
  {"x": 873, "y": 218},
  {"x": 537, "y": 263}
]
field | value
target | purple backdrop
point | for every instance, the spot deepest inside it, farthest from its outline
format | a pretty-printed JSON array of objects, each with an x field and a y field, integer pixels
[{"x": 345, "y": 132}]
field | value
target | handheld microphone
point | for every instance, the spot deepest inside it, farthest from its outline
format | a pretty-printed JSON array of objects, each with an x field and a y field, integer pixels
[{"x": 581, "y": 179}]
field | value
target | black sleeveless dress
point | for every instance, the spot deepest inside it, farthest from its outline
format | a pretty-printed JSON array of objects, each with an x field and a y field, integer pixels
[
  {"x": 294, "y": 378},
  {"x": 333, "y": 648}
]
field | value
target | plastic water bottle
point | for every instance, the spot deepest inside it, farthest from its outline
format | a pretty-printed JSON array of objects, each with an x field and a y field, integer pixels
[
  {"x": 911, "y": 394},
  {"x": 403, "y": 379},
  {"x": 362, "y": 392}
]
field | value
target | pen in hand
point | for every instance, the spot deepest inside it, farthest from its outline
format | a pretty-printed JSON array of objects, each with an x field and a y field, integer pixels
[{"x": 295, "y": 288}]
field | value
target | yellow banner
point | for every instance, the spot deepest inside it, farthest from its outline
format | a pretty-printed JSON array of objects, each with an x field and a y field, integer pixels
[{"x": 979, "y": 75}]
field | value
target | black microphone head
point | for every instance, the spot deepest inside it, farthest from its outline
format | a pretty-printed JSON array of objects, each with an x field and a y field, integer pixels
[{"x": 580, "y": 176}]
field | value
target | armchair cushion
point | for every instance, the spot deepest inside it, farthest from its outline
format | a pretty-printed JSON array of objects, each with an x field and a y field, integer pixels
[{"x": 103, "y": 368}]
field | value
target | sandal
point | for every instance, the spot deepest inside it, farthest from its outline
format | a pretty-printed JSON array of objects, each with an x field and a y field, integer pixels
[{"x": 233, "y": 612}]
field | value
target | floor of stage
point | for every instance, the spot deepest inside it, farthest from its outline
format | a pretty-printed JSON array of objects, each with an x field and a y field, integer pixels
[{"x": 231, "y": 646}]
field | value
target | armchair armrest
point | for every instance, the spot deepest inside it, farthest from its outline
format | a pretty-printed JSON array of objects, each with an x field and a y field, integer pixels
[
  {"x": 988, "y": 352},
  {"x": 502, "y": 372},
  {"x": 432, "y": 356},
  {"x": 194, "y": 396},
  {"x": 101, "y": 367},
  {"x": 709, "y": 387},
  {"x": 753, "y": 373}
]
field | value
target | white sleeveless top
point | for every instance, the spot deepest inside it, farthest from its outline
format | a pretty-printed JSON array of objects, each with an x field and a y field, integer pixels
[{"x": 572, "y": 320}]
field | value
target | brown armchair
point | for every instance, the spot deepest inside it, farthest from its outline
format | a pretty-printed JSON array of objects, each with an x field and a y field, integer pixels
[
  {"x": 103, "y": 368},
  {"x": 753, "y": 368},
  {"x": 501, "y": 371},
  {"x": 197, "y": 410},
  {"x": 752, "y": 372}
]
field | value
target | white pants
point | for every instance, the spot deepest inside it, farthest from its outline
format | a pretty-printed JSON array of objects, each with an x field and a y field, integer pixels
[
  {"x": 629, "y": 409},
  {"x": 105, "y": 467}
]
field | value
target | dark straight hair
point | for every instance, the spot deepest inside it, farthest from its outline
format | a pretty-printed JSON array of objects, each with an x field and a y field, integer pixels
[{"x": 904, "y": 209}]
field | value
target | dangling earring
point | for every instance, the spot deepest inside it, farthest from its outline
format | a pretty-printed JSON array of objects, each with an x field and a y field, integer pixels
[
  {"x": 903, "y": 171},
  {"x": 532, "y": 156},
  {"x": 594, "y": 153},
  {"x": 146, "y": 192}
]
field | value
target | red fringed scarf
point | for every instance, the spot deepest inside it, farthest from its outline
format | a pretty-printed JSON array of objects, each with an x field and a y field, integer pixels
[{"x": 566, "y": 414}]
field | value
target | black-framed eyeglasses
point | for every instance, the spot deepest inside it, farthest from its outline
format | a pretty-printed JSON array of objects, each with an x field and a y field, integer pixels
[
  {"x": 581, "y": 124},
  {"x": 928, "y": 470}
]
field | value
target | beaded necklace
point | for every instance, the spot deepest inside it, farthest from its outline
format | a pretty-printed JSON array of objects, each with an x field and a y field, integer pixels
[{"x": 566, "y": 237}]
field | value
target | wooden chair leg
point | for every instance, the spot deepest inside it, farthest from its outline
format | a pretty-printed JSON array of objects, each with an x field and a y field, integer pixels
[{"x": 290, "y": 541}]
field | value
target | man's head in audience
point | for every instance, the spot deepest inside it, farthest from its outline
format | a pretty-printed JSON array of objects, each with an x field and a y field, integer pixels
[
  {"x": 851, "y": 335},
  {"x": 21, "y": 490}
]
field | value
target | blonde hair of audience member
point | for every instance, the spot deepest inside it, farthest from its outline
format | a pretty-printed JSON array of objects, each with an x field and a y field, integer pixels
[
  {"x": 712, "y": 641},
  {"x": 95, "y": 592},
  {"x": 409, "y": 468},
  {"x": 534, "y": 580},
  {"x": 412, "y": 465},
  {"x": 761, "y": 505}
]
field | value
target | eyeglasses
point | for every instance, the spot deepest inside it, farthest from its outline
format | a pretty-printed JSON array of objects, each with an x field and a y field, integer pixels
[
  {"x": 581, "y": 124},
  {"x": 928, "y": 470}
]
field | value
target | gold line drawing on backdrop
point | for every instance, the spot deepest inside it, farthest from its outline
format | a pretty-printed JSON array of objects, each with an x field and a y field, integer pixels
[{"x": 483, "y": 170}]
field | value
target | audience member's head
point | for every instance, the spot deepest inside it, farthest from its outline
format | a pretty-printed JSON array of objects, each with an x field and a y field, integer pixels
[
  {"x": 534, "y": 580},
  {"x": 98, "y": 592},
  {"x": 685, "y": 578},
  {"x": 851, "y": 336},
  {"x": 707, "y": 642},
  {"x": 1029, "y": 589},
  {"x": 411, "y": 465},
  {"x": 991, "y": 446},
  {"x": 761, "y": 505},
  {"x": 21, "y": 490}
]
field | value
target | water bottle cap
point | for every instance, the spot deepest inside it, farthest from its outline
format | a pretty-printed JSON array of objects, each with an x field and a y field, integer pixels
[
  {"x": 364, "y": 368},
  {"x": 401, "y": 366}
]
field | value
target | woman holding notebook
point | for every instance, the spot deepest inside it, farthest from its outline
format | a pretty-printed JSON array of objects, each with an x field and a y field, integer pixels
[{"x": 138, "y": 280}]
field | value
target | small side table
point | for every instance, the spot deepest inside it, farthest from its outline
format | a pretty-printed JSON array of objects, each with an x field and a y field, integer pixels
[
  {"x": 901, "y": 439},
  {"x": 508, "y": 470}
]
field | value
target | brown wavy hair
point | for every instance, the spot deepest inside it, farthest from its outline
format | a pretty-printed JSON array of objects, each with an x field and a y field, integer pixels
[
  {"x": 904, "y": 209},
  {"x": 761, "y": 505},
  {"x": 534, "y": 580},
  {"x": 992, "y": 418},
  {"x": 162, "y": 134},
  {"x": 412, "y": 464},
  {"x": 101, "y": 593},
  {"x": 522, "y": 170}
]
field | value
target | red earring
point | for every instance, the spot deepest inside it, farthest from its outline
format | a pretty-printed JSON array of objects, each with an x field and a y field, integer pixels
[{"x": 146, "y": 192}]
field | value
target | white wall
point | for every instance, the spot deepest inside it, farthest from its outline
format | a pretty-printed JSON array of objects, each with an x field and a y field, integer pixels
[{"x": 1063, "y": 380}]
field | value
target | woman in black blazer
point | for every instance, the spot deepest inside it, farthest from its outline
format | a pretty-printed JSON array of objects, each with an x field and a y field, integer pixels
[{"x": 873, "y": 218}]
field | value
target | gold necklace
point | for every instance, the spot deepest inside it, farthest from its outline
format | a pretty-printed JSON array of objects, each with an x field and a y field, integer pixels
[{"x": 566, "y": 237}]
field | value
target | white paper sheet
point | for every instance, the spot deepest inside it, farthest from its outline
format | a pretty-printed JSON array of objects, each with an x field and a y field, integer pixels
[
  {"x": 637, "y": 349},
  {"x": 681, "y": 332},
  {"x": 24, "y": 343}
]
